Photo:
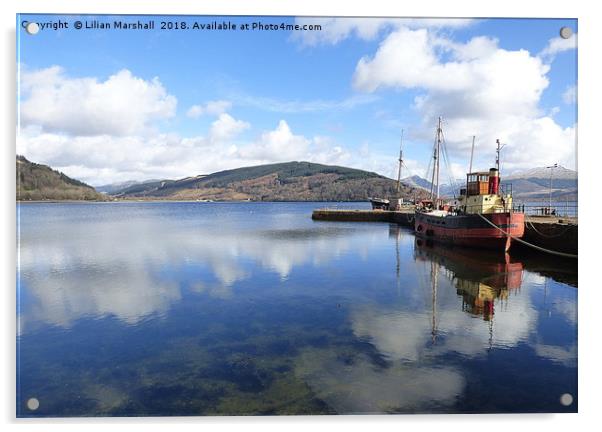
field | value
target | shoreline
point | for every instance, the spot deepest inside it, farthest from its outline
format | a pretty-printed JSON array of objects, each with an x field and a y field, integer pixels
[{"x": 170, "y": 201}]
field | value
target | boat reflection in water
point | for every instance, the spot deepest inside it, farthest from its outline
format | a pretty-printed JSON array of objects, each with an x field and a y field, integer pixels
[{"x": 482, "y": 278}]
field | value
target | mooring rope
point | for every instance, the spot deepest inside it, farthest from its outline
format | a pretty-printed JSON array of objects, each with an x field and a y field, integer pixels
[
  {"x": 568, "y": 227},
  {"x": 527, "y": 243}
]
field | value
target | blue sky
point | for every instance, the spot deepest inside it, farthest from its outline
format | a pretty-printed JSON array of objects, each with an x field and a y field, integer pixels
[{"x": 270, "y": 96}]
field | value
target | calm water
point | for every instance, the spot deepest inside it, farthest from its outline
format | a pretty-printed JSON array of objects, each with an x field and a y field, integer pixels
[{"x": 211, "y": 308}]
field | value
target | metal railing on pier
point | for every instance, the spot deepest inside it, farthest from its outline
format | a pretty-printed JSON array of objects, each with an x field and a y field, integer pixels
[{"x": 544, "y": 208}]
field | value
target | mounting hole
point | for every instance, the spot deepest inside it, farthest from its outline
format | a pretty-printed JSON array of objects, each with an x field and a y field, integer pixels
[
  {"x": 32, "y": 28},
  {"x": 566, "y": 399},
  {"x": 33, "y": 404},
  {"x": 566, "y": 32}
]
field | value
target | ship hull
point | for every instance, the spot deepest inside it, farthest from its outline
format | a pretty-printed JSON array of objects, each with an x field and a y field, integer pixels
[{"x": 471, "y": 230}]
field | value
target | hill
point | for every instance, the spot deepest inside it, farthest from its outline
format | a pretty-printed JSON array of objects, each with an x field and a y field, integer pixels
[
  {"x": 40, "y": 182},
  {"x": 290, "y": 181}
]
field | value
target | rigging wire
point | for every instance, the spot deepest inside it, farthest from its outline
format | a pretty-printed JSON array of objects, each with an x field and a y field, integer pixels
[
  {"x": 448, "y": 164},
  {"x": 449, "y": 170}
]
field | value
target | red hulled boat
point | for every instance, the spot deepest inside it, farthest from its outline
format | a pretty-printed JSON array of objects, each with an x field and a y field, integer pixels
[{"x": 482, "y": 217}]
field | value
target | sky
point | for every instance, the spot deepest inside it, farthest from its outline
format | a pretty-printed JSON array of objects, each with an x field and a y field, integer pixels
[{"x": 113, "y": 105}]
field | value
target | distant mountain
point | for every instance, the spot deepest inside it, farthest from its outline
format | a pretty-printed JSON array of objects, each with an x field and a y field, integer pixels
[
  {"x": 115, "y": 187},
  {"x": 40, "y": 182},
  {"x": 290, "y": 181},
  {"x": 425, "y": 185},
  {"x": 530, "y": 184},
  {"x": 535, "y": 183},
  {"x": 558, "y": 173},
  {"x": 417, "y": 182}
]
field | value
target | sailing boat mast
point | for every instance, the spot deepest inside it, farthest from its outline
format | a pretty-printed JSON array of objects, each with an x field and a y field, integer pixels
[
  {"x": 435, "y": 178},
  {"x": 400, "y": 163},
  {"x": 469, "y": 172}
]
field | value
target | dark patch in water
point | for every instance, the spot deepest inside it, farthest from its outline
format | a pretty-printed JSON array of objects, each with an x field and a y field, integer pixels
[
  {"x": 177, "y": 399},
  {"x": 240, "y": 370}
]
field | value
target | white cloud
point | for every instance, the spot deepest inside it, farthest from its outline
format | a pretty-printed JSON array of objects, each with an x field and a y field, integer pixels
[
  {"x": 335, "y": 30},
  {"x": 479, "y": 89},
  {"x": 89, "y": 129},
  {"x": 226, "y": 127},
  {"x": 280, "y": 143},
  {"x": 570, "y": 95},
  {"x": 172, "y": 156},
  {"x": 557, "y": 45},
  {"x": 116, "y": 144},
  {"x": 216, "y": 107},
  {"x": 121, "y": 105},
  {"x": 479, "y": 69}
]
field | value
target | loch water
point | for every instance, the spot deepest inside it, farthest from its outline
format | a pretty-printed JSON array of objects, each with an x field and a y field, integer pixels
[{"x": 163, "y": 309}]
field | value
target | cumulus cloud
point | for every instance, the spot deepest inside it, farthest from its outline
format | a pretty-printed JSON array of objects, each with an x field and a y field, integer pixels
[
  {"x": 479, "y": 88},
  {"x": 172, "y": 156},
  {"x": 226, "y": 127},
  {"x": 216, "y": 107},
  {"x": 282, "y": 145},
  {"x": 121, "y": 105},
  {"x": 280, "y": 141},
  {"x": 335, "y": 30},
  {"x": 102, "y": 131}
]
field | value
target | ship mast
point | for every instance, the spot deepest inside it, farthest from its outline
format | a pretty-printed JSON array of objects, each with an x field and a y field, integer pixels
[
  {"x": 471, "y": 154},
  {"x": 435, "y": 178},
  {"x": 469, "y": 172},
  {"x": 497, "y": 155},
  {"x": 400, "y": 163}
]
